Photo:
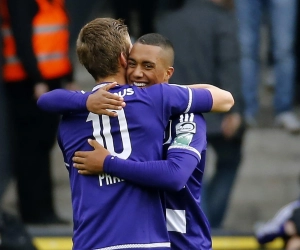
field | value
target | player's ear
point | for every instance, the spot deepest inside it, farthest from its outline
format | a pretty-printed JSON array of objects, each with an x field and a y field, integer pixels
[
  {"x": 169, "y": 73},
  {"x": 123, "y": 60}
]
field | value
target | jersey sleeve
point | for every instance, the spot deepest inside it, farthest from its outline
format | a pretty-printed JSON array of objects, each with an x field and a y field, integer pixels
[
  {"x": 189, "y": 133},
  {"x": 170, "y": 174},
  {"x": 202, "y": 101},
  {"x": 175, "y": 99},
  {"x": 274, "y": 228},
  {"x": 63, "y": 101},
  {"x": 199, "y": 100}
]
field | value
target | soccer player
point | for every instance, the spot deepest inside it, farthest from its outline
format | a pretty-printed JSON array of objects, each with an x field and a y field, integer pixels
[
  {"x": 108, "y": 211},
  {"x": 182, "y": 164},
  {"x": 187, "y": 225}
]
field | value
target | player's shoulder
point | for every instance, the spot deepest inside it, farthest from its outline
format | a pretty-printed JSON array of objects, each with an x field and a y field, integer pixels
[
  {"x": 163, "y": 87},
  {"x": 119, "y": 89},
  {"x": 189, "y": 117},
  {"x": 190, "y": 120}
]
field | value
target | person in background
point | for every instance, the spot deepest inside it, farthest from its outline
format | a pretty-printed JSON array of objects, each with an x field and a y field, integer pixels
[
  {"x": 285, "y": 225},
  {"x": 282, "y": 16},
  {"x": 35, "y": 51},
  {"x": 13, "y": 234},
  {"x": 211, "y": 56},
  {"x": 145, "y": 12},
  {"x": 5, "y": 169}
]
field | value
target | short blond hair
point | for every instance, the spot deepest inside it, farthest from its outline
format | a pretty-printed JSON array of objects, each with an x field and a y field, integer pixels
[{"x": 99, "y": 45}]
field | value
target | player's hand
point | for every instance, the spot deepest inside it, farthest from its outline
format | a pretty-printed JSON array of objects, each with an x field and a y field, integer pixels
[
  {"x": 90, "y": 162},
  {"x": 290, "y": 228},
  {"x": 230, "y": 124},
  {"x": 100, "y": 101}
]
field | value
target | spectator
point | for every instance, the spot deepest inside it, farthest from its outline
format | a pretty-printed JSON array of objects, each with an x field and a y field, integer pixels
[
  {"x": 282, "y": 16},
  {"x": 211, "y": 55},
  {"x": 285, "y": 224},
  {"x": 145, "y": 11},
  {"x": 4, "y": 146},
  {"x": 35, "y": 60},
  {"x": 13, "y": 234}
]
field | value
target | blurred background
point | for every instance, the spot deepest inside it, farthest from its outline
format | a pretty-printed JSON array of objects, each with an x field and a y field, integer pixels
[{"x": 262, "y": 45}]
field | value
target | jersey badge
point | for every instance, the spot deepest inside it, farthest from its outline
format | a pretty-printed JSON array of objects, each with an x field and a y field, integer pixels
[
  {"x": 184, "y": 133},
  {"x": 185, "y": 127}
]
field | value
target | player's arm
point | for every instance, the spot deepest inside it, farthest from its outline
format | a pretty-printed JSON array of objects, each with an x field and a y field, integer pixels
[
  {"x": 222, "y": 100},
  {"x": 203, "y": 98},
  {"x": 179, "y": 99},
  {"x": 64, "y": 101},
  {"x": 276, "y": 226},
  {"x": 170, "y": 174}
]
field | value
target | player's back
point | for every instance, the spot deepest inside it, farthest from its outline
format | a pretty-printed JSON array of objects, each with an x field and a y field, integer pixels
[{"x": 108, "y": 211}]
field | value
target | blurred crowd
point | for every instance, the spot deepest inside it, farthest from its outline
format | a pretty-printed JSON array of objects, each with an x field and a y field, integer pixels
[{"x": 215, "y": 41}]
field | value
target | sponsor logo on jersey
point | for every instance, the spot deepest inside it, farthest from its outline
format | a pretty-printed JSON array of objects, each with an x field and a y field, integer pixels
[{"x": 185, "y": 127}]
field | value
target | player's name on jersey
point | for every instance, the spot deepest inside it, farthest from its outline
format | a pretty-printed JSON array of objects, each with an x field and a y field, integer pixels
[
  {"x": 125, "y": 92},
  {"x": 106, "y": 179}
]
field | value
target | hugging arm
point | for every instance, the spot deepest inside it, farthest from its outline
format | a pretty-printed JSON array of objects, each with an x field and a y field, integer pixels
[
  {"x": 63, "y": 101},
  {"x": 222, "y": 99},
  {"x": 170, "y": 174}
]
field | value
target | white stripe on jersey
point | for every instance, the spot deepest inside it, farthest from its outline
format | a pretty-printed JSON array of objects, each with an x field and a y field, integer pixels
[
  {"x": 190, "y": 101},
  {"x": 176, "y": 221},
  {"x": 99, "y": 86},
  {"x": 187, "y": 148},
  {"x": 130, "y": 246},
  {"x": 186, "y": 117}
]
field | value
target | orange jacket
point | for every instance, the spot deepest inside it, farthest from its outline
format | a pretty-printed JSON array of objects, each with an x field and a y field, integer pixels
[{"x": 50, "y": 41}]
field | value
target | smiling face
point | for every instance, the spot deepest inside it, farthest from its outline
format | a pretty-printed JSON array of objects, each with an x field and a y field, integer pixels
[{"x": 149, "y": 65}]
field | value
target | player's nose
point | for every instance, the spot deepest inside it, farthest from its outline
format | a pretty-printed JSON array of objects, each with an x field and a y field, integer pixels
[{"x": 137, "y": 72}]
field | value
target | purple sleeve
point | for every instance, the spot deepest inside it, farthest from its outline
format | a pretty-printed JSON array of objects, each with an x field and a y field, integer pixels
[
  {"x": 274, "y": 228},
  {"x": 63, "y": 101},
  {"x": 202, "y": 101},
  {"x": 199, "y": 100},
  {"x": 182, "y": 99},
  {"x": 270, "y": 236},
  {"x": 172, "y": 100},
  {"x": 171, "y": 174}
]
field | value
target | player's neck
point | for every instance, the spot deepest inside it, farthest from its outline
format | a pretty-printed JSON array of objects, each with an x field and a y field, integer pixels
[{"x": 120, "y": 79}]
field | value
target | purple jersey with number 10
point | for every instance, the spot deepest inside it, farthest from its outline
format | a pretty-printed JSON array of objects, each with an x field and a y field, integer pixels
[{"x": 108, "y": 212}]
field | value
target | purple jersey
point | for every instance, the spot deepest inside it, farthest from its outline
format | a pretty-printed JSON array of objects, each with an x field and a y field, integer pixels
[
  {"x": 108, "y": 212},
  {"x": 187, "y": 224},
  {"x": 182, "y": 172}
]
